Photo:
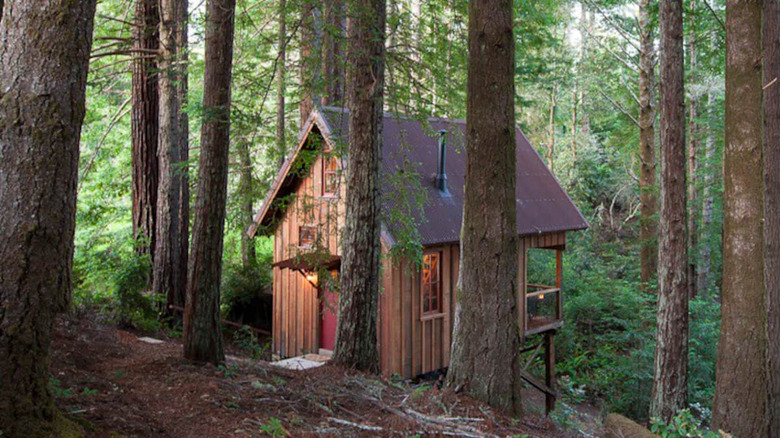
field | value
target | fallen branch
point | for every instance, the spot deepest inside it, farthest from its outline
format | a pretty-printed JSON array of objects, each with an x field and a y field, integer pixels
[
  {"x": 229, "y": 323},
  {"x": 355, "y": 425}
]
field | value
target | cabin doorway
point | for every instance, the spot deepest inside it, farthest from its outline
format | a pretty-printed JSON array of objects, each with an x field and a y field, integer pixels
[{"x": 329, "y": 311}]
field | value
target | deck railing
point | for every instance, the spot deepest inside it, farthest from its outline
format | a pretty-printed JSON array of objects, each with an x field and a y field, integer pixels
[{"x": 543, "y": 308}]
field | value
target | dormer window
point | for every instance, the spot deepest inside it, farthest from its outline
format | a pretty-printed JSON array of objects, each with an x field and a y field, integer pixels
[{"x": 330, "y": 174}]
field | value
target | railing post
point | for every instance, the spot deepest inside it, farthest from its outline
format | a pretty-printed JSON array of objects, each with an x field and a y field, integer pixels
[{"x": 559, "y": 282}]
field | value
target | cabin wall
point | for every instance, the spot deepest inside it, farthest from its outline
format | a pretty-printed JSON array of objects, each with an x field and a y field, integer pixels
[
  {"x": 411, "y": 344},
  {"x": 296, "y": 304}
]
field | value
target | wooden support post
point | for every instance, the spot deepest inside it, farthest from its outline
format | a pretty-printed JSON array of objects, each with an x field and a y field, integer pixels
[{"x": 549, "y": 368}]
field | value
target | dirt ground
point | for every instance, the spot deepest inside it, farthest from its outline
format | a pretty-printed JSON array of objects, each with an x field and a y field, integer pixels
[{"x": 117, "y": 386}]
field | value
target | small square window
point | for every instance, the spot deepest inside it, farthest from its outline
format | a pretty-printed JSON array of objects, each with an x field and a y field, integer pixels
[
  {"x": 306, "y": 236},
  {"x": 431, "y": 284}
]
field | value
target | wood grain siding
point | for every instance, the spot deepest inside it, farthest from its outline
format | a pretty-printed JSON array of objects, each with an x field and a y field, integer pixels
[
  {"x": 410, "y": 343},
  {"x": 296, "y": 313}
]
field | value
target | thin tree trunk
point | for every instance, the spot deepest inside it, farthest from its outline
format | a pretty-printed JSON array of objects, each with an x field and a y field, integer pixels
[
  {"x": 741, "y": 383},
  {"x": 771, "y": 39},
  {"x": 332, "y": 63},
  {"x": 281, "y": 85},
  {"x": 670, "y": 391},
  {"x": 551, "y": 143},
  {"x": 648, "y": 229},
  {"x": 356, "y": 336},
  {"x": 43, "y": 74},
  {"x": 245, "y": 190},
  {"x": 167, "y": 240},
  {"x": 202, "y": 329},
  {"x": 183, "y": 221},
  {"x": 310, "y": 58},
  {"x": 485, "y": 358},
  {"x": 144, "y": 124},
  {"x": 705, "y": 254},
  {"x": 693, "y": 147}
]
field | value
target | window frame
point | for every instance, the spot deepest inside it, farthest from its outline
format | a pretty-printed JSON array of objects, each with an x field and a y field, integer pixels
[
  {"x": 439, "y": 298},
  {"x": 313, "y": 230},
  {"x": 327, "y": 158}
]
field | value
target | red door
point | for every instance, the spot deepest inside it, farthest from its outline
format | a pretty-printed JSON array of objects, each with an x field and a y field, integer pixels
[{"x": 329, "y": 309}]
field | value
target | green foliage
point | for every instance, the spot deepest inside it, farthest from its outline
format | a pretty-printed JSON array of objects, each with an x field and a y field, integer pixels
[
  {"x": 273, "y": 427},
  {"x": 245, "y": 339},
  {"x": 57, "y": 389},
  {"x": 683, "y": 425}
]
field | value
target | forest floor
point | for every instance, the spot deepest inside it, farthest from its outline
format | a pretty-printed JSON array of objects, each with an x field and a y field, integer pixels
[{"x": 115, "y": 386}]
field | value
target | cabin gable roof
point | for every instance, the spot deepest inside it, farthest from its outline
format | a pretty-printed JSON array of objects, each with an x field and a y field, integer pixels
[{"x": 410, "y": 147}]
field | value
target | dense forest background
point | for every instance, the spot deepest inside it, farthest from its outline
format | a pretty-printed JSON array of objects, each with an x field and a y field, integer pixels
[{"x": 578, "y": 100}]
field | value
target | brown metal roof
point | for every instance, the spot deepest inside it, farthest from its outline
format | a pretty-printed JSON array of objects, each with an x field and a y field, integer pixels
[{"x": 542, "y": 205}]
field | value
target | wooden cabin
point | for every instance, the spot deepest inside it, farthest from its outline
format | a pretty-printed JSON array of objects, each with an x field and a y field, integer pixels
[{"x": 305, "y": 210}]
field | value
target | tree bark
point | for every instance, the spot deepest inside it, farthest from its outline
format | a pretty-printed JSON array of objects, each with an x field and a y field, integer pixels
[
  {"x": 281, "y": 86},
  {"x": 332, "y": 63},
  {"x": 648, "y": 229},
  {"x": 670, "y": 392},
  {"x": 741, "y": 383},
  {"x": 144, "y": 124},
  {"x": 705, "y": 253},
  {"x": 43, "y": 72},
  {"x": 202, "y": 330},
  {"x": 167, "y": 261},
  {"x": 356, "y": 336},
  {"x": 771, "y": 39},
  {"x": 310, "y": 58},
  {"x": 551, "y": 142},
  {"x": 485, "y": 358},
  {"x": 693, "y": 148},
  {"x": 182, "y": 171},
  {"x": 245, "y": 190}
]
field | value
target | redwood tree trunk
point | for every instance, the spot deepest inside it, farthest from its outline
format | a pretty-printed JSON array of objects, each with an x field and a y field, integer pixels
[
  {"x": 43, "y": 72},
  {"x": 670, "y": 392},
  {"x": 183, "y": 221},
  {"x": 705, "y": 252},
  {"x": 202, "y": 327},
  {"x": 167, "y": 260},
  {"x": 144, "y": 124},
  {"x": 486, "y": 339},
  {"x": 648, "y": 229},
  {"x": 693, "y": 148},
  {"x": 356, "y": 337},
  {"x": 332, "y": 62},
  {"x": 281, "y": 86},
  {"x": 771, "y": 31},
  {"x": 741, "y": 384},
  {"x": 310, "y": 58}
]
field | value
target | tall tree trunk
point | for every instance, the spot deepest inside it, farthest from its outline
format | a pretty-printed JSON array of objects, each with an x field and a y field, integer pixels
[
  {"x": 648, "y": 229},
  {"x": 202, "y": 330},
  {"x": 245, "y": 191},
  {"x": 43, "y": 73},
  {"x": 332, "y": 63},
  {"x": 281, "y": 85},
  {"x": 486, "y": 340},
  {"x": 167, "y": 240},
  {"x": 670, "y": 381},
  {"x": 741, "y": 383},
  {"x": 310, "y": 58},
  {"x": 144, "y": 124},
  {"x": 771, "y": 39},
  {"x": 693, "y": 147},
  {"x": 182, "y": 171},
  {"x": 705, "y": 253},
  {"x": 356, "y": 337},
  {"x": 551, "y": 142}
]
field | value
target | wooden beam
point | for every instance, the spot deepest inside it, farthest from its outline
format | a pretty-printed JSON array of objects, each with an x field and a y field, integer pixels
[{"x": 549, "y": 375}]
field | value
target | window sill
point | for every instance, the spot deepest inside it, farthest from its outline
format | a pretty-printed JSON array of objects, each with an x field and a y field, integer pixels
[{"x": 430, "y": 316}]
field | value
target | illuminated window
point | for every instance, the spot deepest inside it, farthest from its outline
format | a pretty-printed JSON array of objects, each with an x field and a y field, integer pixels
[
  {"x": 306, "y": 235},
  {"x": 330, "y": 174},
  {"x": 431, "y": 283}
]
